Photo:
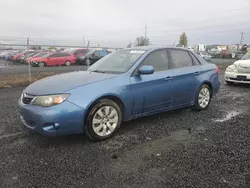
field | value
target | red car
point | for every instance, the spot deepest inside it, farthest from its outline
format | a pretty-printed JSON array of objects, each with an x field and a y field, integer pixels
[
  {"x": 57, "y": 58},
  {"x": 80, "y": 52},
  {"x": 15, "y": 58},
  {"x": 36, "y": 56}
]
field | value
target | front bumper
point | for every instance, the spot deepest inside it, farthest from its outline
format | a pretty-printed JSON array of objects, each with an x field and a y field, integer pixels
[
  {"x": 235, "y": 77},
  {"x": 58, "y": 120}
]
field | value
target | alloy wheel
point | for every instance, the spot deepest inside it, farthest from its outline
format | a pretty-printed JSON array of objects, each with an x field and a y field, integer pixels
[
  {"x": 41, "y": 64},
  {"x": 105, "y": 121},
  {"x": 68, "y": 63},
  {"x": 204, "y": 97}
]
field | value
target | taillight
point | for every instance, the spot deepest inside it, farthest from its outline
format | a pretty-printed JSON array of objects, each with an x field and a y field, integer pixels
[{"x": 217, "y": 70}]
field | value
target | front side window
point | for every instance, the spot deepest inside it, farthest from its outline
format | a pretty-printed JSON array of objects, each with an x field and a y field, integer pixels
[
  {"x": 180, "y": 58},
  {"x": 158, "y": 59},
  {"x": 117, "y": 62}
]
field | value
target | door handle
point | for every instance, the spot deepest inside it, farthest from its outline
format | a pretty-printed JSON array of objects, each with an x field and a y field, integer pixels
[
  {"x": 168, "y": 78},
  {"x": 197, "y": 73}
]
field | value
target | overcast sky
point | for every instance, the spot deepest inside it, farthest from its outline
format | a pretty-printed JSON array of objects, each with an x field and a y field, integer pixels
[{"x": 116, "y": 22}]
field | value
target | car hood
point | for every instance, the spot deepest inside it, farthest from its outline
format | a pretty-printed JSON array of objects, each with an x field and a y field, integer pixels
[
  {"x": 63, "y": 82},
  {"x": 242, "y": 63}
]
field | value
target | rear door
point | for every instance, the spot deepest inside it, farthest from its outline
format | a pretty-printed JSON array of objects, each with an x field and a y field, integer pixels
[
  {"x": 185, "y": 79},
  {"x": 152, "y": 92}
]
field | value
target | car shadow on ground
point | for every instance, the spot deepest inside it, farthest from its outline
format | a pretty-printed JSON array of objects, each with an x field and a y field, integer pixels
[{"x": 127, "y": 128}]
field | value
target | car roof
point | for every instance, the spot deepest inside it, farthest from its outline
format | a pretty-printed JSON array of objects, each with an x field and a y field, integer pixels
[{"x": 156, "y": 48}]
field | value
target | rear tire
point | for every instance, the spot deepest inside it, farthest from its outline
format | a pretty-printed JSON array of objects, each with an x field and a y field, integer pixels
[
  {"x": 41, "y": 64},
  {"x": 103, "y": 120},
  {"x": 203, "y": 98},
  {"x": 229, "y": 83}
]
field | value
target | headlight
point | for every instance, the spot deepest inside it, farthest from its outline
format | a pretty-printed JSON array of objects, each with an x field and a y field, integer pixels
[
  {"x": 50, "y": 100},
  {"x": 231, "y": 69}
]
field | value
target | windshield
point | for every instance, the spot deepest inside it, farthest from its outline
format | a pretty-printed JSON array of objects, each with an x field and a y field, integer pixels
[
  {"x": 118, "y": 62},
  {"x": 246, "y": 56},
  {"x": 30, "y": 55},
  {"x": 40, "y": 54}
]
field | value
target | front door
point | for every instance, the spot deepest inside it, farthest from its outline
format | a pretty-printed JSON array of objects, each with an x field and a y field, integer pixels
[
  {"x": 53, "y": 59},
  {"x": 152, "y": 93}
]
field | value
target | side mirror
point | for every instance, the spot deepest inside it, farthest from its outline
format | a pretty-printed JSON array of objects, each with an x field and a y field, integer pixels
[{"x": 146, "y": 69}]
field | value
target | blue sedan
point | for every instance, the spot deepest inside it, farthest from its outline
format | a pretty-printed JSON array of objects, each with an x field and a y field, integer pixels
[{"x": 124, "y": 85}]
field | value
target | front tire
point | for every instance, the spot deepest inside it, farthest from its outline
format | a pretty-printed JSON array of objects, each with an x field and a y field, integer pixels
[
  {"x": 103, "y": 120},
  {"x": 203, "y": 98},
  {"x": 67, "y": 63},
  {"x": 41, "y": 64}
]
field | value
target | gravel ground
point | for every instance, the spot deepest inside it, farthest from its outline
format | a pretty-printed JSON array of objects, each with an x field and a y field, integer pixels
[{"x": 182, "y": 148}]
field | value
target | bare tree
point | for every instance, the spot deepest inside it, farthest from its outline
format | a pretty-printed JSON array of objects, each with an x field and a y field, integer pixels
[
  {"x": 129, "y": 44},
  {"x": 141, "y": 41}
]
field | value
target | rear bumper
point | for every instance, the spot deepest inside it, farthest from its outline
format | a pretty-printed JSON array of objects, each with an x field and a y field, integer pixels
[
  {"x": 233, "y": 77},
  {"x": 63, "y": 119}
]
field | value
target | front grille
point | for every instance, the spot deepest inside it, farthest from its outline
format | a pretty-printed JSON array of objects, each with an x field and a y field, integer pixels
[{"x": 26, "y": 99}]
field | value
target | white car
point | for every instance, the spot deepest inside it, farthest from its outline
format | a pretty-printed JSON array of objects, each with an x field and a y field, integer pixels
[
  {"x": 205, "y": 56},
  {"x": 239, "y": 72}
]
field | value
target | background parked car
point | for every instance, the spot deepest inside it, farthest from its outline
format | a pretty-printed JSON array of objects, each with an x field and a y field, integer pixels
[
  {"x": 93, "y": 56},
  {"x": 54, "y": 59},
  {"x": 80, "y": 52},
  {"x": 239, "y": 72},
  {"x": 205, "y": 56},
  {"x": 16, "y": 57},
  {"x": 36, "y": 56}
]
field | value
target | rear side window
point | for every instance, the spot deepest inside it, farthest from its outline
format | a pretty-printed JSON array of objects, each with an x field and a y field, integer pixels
[
  {"x": 157, "y": 59},
  {"x": 54, "y": 55},
  {"x": 180, "y": 59},
  {"x": 195, "y": 60}
]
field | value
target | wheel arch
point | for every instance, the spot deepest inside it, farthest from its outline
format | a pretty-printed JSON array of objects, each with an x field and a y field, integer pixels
[
  {"x": 112, "y": 97},
  {"x": 210, "y": 86}
]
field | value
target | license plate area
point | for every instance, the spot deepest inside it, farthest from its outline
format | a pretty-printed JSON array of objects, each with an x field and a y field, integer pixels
[{"x": 241, "y": 77}]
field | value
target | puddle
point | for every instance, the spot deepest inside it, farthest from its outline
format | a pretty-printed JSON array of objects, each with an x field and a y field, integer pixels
[{"x": 229, "y": 116}]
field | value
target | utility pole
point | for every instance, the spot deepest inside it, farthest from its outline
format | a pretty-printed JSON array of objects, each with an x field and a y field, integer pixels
[
  {"x": 28, "y": 41},
  {"x": 87, "y": 60},
  {"x": 241, "y": 39},
  {"x": 145, "y": 34}
]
